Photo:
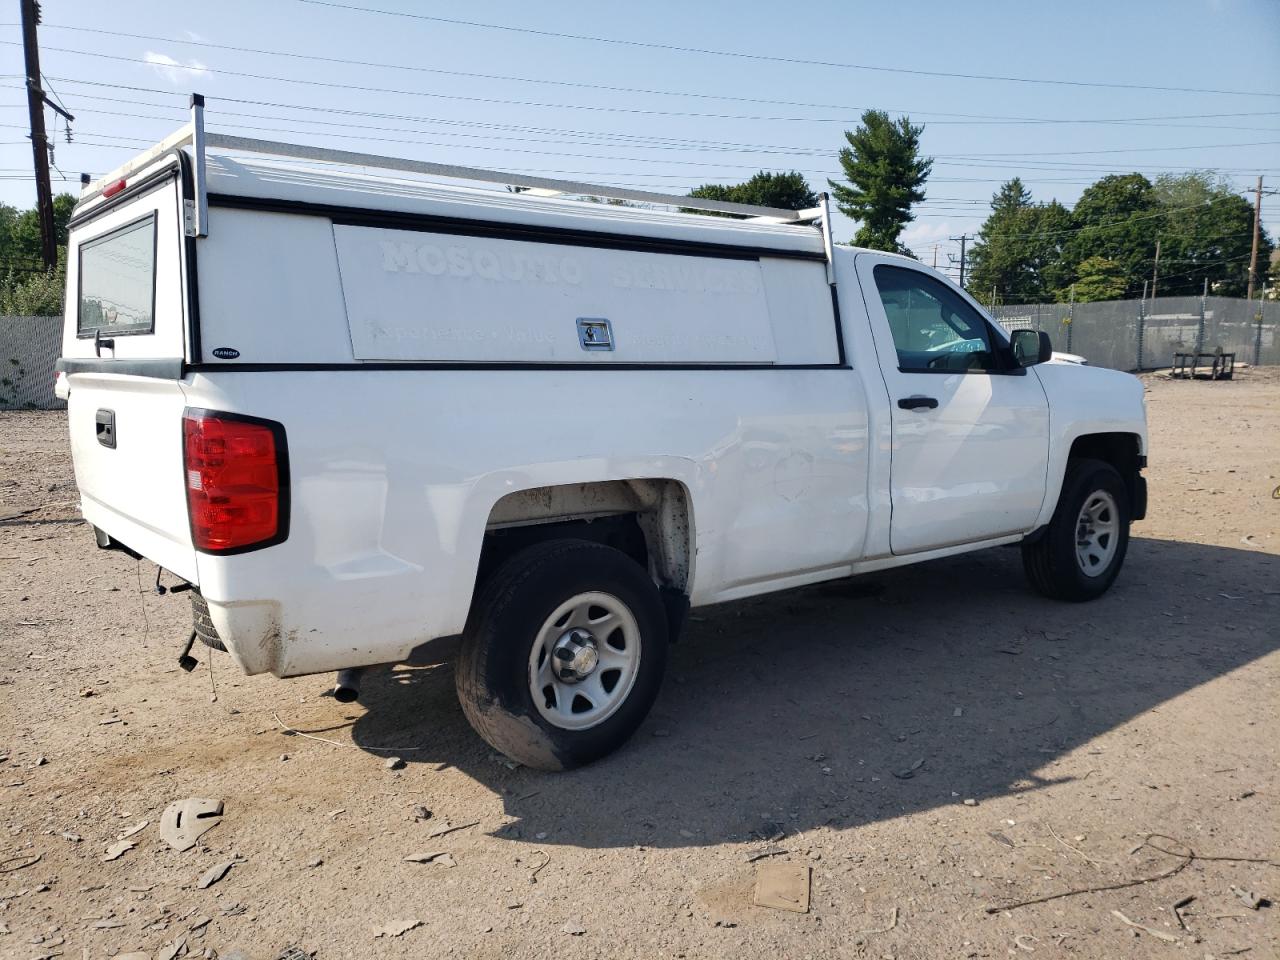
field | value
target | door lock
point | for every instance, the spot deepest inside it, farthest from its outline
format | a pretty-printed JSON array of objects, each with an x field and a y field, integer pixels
[{"x": 105, "y": 421}]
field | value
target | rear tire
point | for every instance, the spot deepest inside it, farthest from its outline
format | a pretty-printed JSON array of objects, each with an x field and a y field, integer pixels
[
  {"x": 563, "y": 654},
  {"x": 1080, "y": 553}
]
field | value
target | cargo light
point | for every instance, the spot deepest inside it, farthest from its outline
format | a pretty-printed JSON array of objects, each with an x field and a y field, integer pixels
[
  {"x": 237, "y": 477},
  {"x": 112, "y": 189}
]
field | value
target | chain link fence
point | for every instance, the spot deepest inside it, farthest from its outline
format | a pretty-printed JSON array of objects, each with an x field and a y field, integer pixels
[
  {"x": 1145, "y": 334},
  {"x": 29, "y": 348}
]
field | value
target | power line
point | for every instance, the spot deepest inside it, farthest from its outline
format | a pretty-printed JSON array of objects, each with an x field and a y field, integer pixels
[
  {"x": 259, "y": 51},
  {"x": 453, "y": 96},
  {"x": 514, "y": 127},
  {"x": 638, "y": 143},
  {"x": 651, "y": 45}
]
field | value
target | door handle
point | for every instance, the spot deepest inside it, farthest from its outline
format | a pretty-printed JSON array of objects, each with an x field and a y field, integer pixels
[{"x": 917, "y": 402}]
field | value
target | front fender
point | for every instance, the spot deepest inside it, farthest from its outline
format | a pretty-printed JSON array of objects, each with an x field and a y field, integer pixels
[{"x": 1086, "y": 400}]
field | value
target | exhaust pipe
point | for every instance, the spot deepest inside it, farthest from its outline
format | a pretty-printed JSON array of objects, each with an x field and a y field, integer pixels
[{"x": 347, "y": 687}]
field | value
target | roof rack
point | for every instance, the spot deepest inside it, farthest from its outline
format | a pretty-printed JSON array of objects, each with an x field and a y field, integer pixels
[{"x": 193, "y": 134}]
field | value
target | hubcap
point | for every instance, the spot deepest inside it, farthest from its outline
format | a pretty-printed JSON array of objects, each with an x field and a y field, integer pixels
[
  {"x": 584, "y": 661},
  {"x": 574, "y": 656},
  {"x": 1097, "y": 533}
]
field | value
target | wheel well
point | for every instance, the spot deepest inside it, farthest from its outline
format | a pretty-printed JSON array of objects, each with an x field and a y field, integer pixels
[
  {"x": 648, "y": 520},
  {"x": 1121, "y": 450}
]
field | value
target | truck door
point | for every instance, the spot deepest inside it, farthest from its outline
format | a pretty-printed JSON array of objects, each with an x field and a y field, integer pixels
[{"x": 970, "y": 429}]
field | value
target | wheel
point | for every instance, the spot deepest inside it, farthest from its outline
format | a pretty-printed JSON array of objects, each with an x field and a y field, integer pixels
[
  {"x": 1080, "y": 553},
  {"x": 563, "y": 654}
]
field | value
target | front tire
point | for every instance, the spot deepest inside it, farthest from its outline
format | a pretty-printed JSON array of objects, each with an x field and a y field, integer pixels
[
  {"x": 1080, "y": 553},
  {"x": 563, "y": 654}
]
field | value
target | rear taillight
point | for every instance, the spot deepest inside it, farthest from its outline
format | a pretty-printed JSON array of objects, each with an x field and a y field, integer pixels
[{"x": 237, "y": 481}]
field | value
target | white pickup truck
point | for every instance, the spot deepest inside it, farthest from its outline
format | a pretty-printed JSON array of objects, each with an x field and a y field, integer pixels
[{"x": 356, "y": 413}]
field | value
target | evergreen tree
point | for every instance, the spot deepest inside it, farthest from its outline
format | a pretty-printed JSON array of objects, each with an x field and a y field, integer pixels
[{"x": 885, "y": 175}]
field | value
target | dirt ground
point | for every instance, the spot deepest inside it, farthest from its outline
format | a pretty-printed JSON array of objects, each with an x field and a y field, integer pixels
[{"x": 929, "y": 743}]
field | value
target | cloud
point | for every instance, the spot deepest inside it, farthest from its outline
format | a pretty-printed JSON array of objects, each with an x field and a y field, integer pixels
[{"x": 175, "y": 72}]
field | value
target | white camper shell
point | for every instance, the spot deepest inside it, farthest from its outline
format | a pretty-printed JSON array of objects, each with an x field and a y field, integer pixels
[{"x": 357, "y": 413}]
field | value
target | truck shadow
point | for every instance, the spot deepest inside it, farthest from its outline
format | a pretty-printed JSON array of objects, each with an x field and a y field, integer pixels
[{"x": 861, "y": 700}]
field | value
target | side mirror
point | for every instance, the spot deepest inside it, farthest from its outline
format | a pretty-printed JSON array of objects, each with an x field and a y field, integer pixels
[{"x": 1030, "y": 347}]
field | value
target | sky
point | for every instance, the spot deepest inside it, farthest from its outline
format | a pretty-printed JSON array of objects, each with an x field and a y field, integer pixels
[{"x": 758, "y": 86}]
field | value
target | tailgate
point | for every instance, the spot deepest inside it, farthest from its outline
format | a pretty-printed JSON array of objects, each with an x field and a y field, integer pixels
[{"x": 124, "y": 343}]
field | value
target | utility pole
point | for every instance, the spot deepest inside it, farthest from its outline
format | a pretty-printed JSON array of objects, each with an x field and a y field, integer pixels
[
  {"x": 964, "y": 241},
  {"x": 1155, "y": 271},
  {"x": 1257, "y": 229},
  {"x": 39, "y": 140}
]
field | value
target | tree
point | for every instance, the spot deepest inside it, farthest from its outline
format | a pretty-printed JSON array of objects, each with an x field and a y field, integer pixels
[
  {"x": 38, "y": 295},
  {"x": 1118, "y": 218},
  {"x": 1018, "y": 252},
  {"x": 1206, "y": 233},
  {"x": 885, "y": 175},
  {"x": 26, "y": 288},
  {"x": 785, "y": 191},
  {"x": 1099, "y": 279}
]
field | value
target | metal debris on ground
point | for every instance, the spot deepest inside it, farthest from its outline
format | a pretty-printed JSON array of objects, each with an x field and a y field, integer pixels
[
  {"x": 533, "y": 877},
  {"x": 765, "y": 854},
  {"x": 783, "y": 886},
  {"x": 395, "y": 928},
  {"x": 215, "y": 873},
  {"x": 1158, "y": 934},
  {"x": 910, "y": 772},
  {"x": 442, "y": 858},
  {"x": 135, "y": 829},
  {"x": 185, "y": 821},
  {"x": 442, "y": 830},
  {"x": 1177, "y": 911},
  {"x": 13, "y": 864},
  {"x": 1251, "y": 900},
  {"x": 118, "y": 850}
]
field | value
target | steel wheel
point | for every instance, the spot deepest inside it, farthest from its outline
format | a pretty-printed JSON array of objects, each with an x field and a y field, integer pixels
[
  {"x": 584, "y": 661},
  {"x": 1097, "y": 533}
]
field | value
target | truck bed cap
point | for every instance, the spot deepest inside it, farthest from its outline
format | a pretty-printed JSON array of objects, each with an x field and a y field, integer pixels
[{"x": 291, "y": 185}]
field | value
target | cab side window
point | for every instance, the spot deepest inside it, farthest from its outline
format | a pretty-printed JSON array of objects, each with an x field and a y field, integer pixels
[{"x": 934, "y": 329}]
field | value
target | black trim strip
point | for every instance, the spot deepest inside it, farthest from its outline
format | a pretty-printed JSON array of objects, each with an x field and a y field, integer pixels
[
  {"x": 447, "y": 365},
  {"x": 159, "y": 368},
  {"x": 841, "y": 359},
  {"x": 146, "y": 184},
  {"x": 456, "y": 226},
  {"x": 187, "y": 189}
]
